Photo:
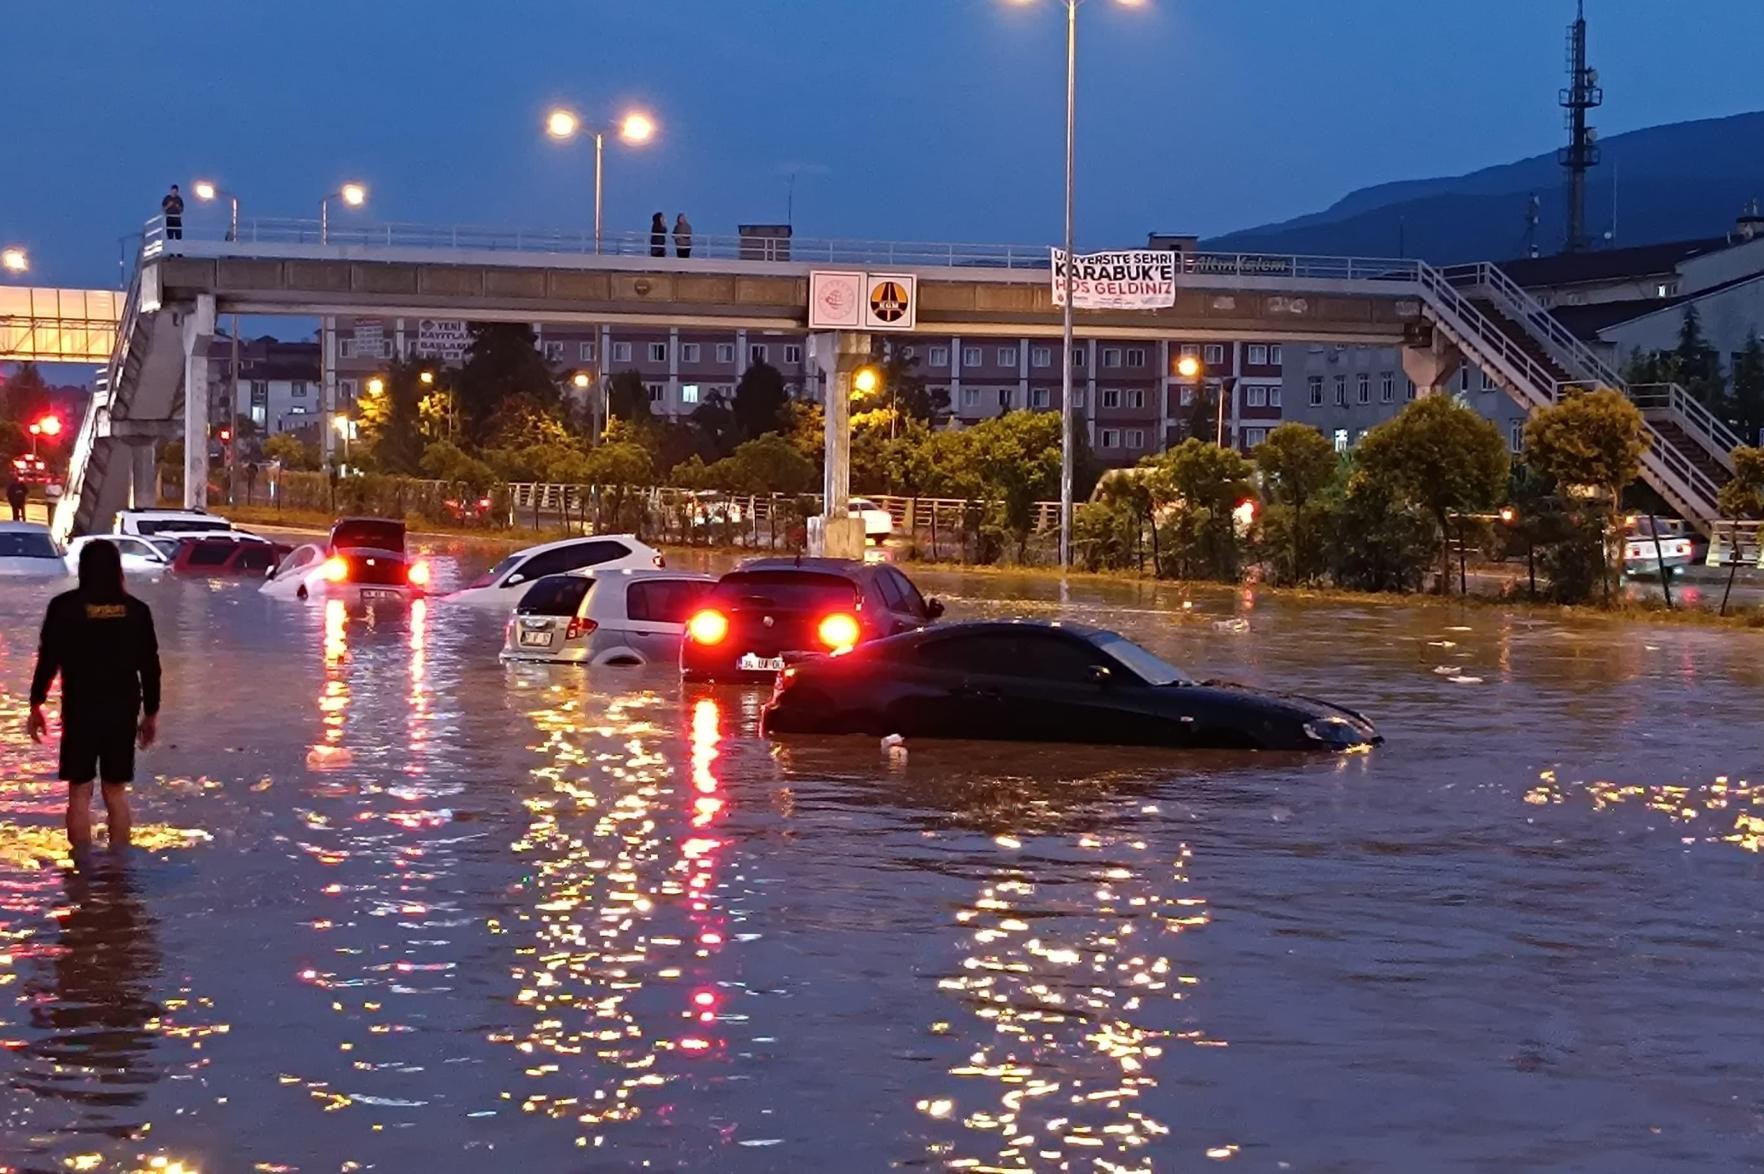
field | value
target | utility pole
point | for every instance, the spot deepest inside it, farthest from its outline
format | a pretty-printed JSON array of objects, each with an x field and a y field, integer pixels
[{"x": 1581, "y": 153}]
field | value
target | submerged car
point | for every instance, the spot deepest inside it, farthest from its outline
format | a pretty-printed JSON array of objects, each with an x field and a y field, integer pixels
[
  {"x": 1040, "y": 682},
  {"x": 362, "y": 563},
  {"x": 139, "y": 555},
  {"x": 225, "y": 556},
  {"x": 496, "y": 588},
  {"x": 770, "y": 611},
  {"x": 29, "y": 551},
  {"x": 172, "y": 523},
  {"x": 604, "y": 617}
]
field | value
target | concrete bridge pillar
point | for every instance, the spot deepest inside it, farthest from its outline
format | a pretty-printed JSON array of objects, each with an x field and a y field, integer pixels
[
  {"x": 198, "y": 329},
  {"x": 1431, "y": 367},
  {"x": 837, "y": 356},
  {"x": 143, "y": 475}
]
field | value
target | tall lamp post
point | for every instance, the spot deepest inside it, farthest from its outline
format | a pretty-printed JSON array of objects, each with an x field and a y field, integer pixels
[
  {"x": 635, "y": 128},
  {"x": 352, "y": 194},
  {"x": 206, "y": 191},
  {"x": 1067, "y": 417}
]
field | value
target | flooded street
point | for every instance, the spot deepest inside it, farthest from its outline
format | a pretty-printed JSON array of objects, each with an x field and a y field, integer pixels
[{"x": 399, "y": 907}]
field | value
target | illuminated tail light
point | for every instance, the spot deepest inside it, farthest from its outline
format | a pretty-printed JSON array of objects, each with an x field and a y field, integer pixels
[
  {"x": 839, "y": 632},
  {"x": 708, "y": 627},
  {"x": 418, "y": 575},
  {"x": 660, "y": 561},
  {"x": 579, "y": 627},
  {"x": 336, "y": 568}
]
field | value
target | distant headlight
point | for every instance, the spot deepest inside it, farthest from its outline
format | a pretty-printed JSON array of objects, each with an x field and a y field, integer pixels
[{"x": 1335, "y": 731}]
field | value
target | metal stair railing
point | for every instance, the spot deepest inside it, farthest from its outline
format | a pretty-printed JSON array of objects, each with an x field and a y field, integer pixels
[{"x": 97, "y": 411}]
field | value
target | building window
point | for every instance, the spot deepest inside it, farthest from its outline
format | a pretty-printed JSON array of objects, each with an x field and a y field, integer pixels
[
  {"x": 1254, "y": 436},
  {"x": 658, "y": 352},
  {"x": 554, "y": 352},
  {"x": 1136, "y": 356},
  {"x": 1080, "y": 356},
  {"x": 621, "y": 352},
  {"x": 1315, "y": 385},
  {"x": 586, "y": 352},
  {"x": 970, "y": 397},
  {"x": 970, "y": 356},
  {"x": 1363, "y": 388},
  {"x": 1341, "y": 440},
  {"x": 1273, "y": 395},
  {"x": 1111, "y": 356},
  {"x": 1041, "y": 356},
  {"x": 1111, "y": 438},
  {"x": 725, "y": 352},
  {"x": 756, "y": 353},
  {"x": 1039, "y": 397},
  {"x": 1410, "y": 394},
  {"x": 689, "y": 352},
  {"x": 1258, "y": 354},
  {"x": 1135, "y": 438},
  {"x": 1111, "y": 397},
  {"x": 297, "y": 389},
  {"x": 1387, "y": 388},
  {"x": 1488, "y": 383},
  {"x": 1256, "y": 396},
  {"x": 1004, "y": 398},
  {"x": 1134, "y": 397},
  {"x": 689, "y": 393},
  {"x": 1190, "y": 350},
  {"x": 793, "y": 354},
  {"x": 657, "y": 391},
  {"x": 1214, "y": 353},
  {"x": 1186, "y": 398},
  {"x": 939, "y": 356},
  {"x": 1077, "y": 397},
  {"x": 1341, "y": 391},
  {"x": 1516, "y": 436},
  {"x": 1274, "y": 354},
  {"x": 1007, "y": 357}
]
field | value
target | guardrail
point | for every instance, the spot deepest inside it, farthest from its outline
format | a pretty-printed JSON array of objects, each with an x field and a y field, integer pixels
[{"x": 66, "y": 516}]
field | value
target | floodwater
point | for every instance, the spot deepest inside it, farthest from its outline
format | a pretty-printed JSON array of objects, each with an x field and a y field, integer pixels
[{"x": 399, "y": 907}]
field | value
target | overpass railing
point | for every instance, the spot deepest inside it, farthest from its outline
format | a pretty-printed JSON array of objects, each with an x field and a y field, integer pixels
[{"x": 272, "y": 233}]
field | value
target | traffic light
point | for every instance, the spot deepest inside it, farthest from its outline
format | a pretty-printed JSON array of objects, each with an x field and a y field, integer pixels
[{"x": 226, "y": 435}]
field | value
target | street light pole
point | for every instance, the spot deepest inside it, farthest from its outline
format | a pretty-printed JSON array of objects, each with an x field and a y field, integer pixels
[
  {"x": 599, "y": 173},
  {"x": 1067, "y": 417},
  {"x": 564, "y": 124}
]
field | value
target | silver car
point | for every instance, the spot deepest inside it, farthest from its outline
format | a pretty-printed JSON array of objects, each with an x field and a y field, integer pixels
[{"x": 604, "y": 617}]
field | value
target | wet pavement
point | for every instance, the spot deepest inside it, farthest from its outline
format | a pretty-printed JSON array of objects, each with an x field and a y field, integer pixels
[{"x": 398, "y": 907}]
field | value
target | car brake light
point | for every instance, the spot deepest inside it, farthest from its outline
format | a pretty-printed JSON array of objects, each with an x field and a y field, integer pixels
[
  {"x": 708, "y": 627},
  {"x": 579, "y": 627},
  {"x": 336, "y": 568},
  {"x": 839, "y": 632},
  {"x": 418, "y": 574},
  {"x": 483, "y": 503}
]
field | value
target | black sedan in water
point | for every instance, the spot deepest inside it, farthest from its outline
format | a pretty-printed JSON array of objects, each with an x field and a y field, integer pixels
[{"x": 1040, "y": 682}]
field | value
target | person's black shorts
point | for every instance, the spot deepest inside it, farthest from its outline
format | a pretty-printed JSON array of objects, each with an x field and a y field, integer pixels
[{"x": 102, "y": 750}]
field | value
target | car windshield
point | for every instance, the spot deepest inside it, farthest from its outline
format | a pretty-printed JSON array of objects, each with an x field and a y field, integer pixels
[
  {"x": 555, "y": 595},
  {"x": 1153, "y": 670},
  {"x": 27, "y": 544},
  {"x": 180, "y": 525},
  {"x": 496, "y": 572},
  {"x": 785, "y": 590}
]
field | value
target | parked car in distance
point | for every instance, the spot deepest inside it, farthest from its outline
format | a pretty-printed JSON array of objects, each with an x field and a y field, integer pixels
[
  {"x": 878, "y": 522},
  {"x": 1677, "y": 546},
  {"x": 1044, "y": 682},
  {"x": 139, "y": 556},
  {"x": 149, "y": 523},
  {"x": 605, "y": 617},
  {"x": 468, "y": 511},
  {"x": 496, "y": 588},
  {"x": 226, "y": 556},
  {"x": 29, "y": 551},
  {"x": 770, "y": 610},
  {"x": 712, "y": 508},
  {"x": 363, "y": 563}
]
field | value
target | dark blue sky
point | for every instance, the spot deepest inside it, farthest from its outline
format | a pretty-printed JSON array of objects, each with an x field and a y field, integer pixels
[{"x": 909, "y": 119}]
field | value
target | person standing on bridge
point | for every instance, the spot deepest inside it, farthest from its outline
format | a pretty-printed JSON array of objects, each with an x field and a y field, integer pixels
[
  {"x": 17, "y": 493},
  {"x": 173, "y": 208},
  {"x": 658, "y": 236},
  {"x": 101, "y": 640},
  {"x": 682, "y": 236}
]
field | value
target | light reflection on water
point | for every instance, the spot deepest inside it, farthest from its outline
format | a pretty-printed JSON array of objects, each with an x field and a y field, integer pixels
[{"x": 396, "y": 904}]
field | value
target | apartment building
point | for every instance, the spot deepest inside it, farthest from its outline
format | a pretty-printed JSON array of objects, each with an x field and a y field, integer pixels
[
  {"x": 279, "y": 383},
  {"x": 1342, "y": 391}
]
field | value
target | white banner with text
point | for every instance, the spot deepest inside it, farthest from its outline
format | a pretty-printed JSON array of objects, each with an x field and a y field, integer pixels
[{"x": 1138, "y": 279}]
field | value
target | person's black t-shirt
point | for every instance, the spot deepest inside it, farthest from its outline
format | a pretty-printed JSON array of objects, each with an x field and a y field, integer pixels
[{"x": 106, "y": 652}]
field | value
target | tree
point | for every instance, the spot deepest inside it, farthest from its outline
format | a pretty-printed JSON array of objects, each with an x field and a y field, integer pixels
[
  {"x": 760, "y": 402},
  {"x": 618, "y": 468},
  {"x": 444, "y": 460},
  {"x": 909, "y": 393},
  {"x": 1199, "y": 486},
  {"x": 1297, "y": 464},
  {"x": 502, "y": 361},
  {"x": 1747, "y": 398},
  {"x": 1017, "y": 459},
  {"x": 767, "y": 464},
  {"x": 1591, "y": 441},
  {"x": 391, "y": 419},
  {"x": 1440, "y": 456},
  {"x": 627, "y": 398},
  {"x": 289, "y": 449},
  {"x": 24, "y": 398}
]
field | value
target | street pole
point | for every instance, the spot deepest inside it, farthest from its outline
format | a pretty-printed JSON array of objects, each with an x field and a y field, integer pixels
[
  {"x": 233, "y": 406},
  {"x": 599, "y": 150},
  {"x": 1066, "y": 414},
  {"x": 324, "y": 219}
]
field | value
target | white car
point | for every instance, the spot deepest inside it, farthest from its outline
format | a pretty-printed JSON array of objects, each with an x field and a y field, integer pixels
[
  {"x": 605, "y": 617},
  {"x": 139, "y": 556},
  {"x": 1641, "y": 556},
  {"x": 158, "y": 523},
  {"x": 363, "y": 563},
  {"x": 878, "y": 522},
  {"x": 500, "y": 586},
  {"x": 29, "y": 551}
]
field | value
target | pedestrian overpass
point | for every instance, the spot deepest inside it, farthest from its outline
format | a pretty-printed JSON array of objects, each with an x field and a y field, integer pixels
[
  {"x": 1441, "y": 318},
  {"x": 39, "y": 325}
]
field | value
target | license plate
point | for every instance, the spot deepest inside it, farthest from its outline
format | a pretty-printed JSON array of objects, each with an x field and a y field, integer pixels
[
  {"x": 536, "y": 639},
  {"x": 750, "y": 663},
  {"x": 370, "y": 596}
]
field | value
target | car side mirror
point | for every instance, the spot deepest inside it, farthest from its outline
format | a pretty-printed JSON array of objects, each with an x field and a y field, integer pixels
[
  {"x": 514, "y": 580},
  {"x": 270, "y": 574},
  {"x": 1101, "y": 676},
  {"x": 934, "y": 608}
]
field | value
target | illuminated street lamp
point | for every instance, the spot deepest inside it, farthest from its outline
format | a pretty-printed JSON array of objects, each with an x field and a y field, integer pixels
[
  {"x": 1066, "y": 416},
  {"x": 635, "y": 128},
  {"x": 427, "y": 378},
  {"x": 581, "y": 380},
  {"x": 376, "y": 385},
  {"x": 13, "y": 259},
  {"x": 205, "y": 191},
  {"x": 49, "y": 426},
  {"x": 865, "y": 381},
  {"x": 352, "y": 194},
  {"x": 1189, "y": 367}
]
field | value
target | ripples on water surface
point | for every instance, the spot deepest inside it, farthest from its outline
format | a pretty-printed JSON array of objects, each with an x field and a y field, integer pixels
[{"x": 399, "y": 907}]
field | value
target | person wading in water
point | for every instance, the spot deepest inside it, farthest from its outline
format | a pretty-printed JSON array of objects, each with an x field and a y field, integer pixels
[{"x": 100, "y": 639}]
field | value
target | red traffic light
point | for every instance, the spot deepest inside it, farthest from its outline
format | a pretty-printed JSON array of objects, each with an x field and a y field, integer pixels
[{"x": 226, "y": 434}]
